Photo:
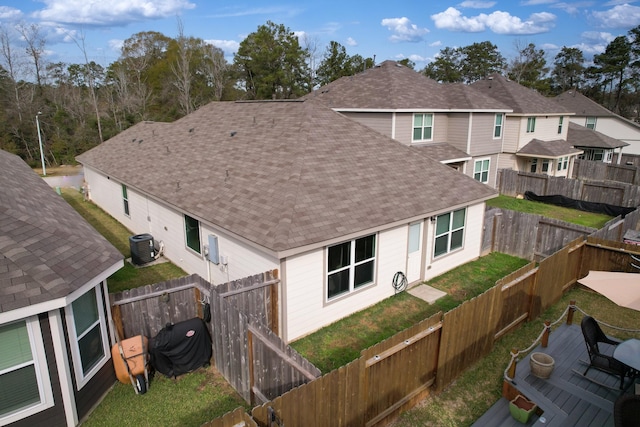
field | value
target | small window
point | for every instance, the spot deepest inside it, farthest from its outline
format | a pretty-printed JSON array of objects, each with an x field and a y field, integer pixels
[
  {"x": 125, "y": 200},
  {"x": 481, "y": 171},
  {"x": 531, "y": 124},
  {"x": 565, "y": 163},
  {"x": 591, "y": 123},
  {"x": 422, "y": 127},
  {"x": 497, "y": 128},
  {"x": 560, "y": 122},
  {"x": 350, "y": 265},
  {"x": 545, "y": 165},
  {"x": 449, "y": 232},
  {"x": 534, "y": 166},
  {"x": 192, "y": 233}
]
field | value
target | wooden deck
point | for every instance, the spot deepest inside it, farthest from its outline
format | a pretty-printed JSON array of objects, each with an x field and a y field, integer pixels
[{"x": 567, "y": 398}]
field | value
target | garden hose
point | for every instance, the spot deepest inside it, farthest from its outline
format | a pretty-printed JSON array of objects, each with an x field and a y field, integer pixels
[{"x": 399, "y": 281}]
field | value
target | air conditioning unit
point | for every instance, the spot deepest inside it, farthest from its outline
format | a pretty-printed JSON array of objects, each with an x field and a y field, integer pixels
[{"x": 142, "y": 249}]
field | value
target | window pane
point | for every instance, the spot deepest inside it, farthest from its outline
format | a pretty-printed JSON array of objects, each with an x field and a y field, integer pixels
[
  {"x": 427, "y": 133},
  {"x": 365, "y": 248},
  {"x": 15, "y": 347},
  {"x": 364, "y": 274},
  {"x": 417, "y": 120},
  {"x": 192, "y": 229},
  {"x": 484, "y": 177},
  {"x": 417, "y": 134},
  {"x": 85, "y": 311},
  {"x": 124, "y": 191},
  {"x": 442, "y": 225},
  {"x": 442, "y": 244},
  {"x": 91, "y": 348},
  {"x": 478, "y": 167},
  {"x": 339, "y": 256},
  {"x": 485, "y": 165},
  {"x": 458, "y": 219},
  {"x": 428, "y": 120},
  {"x": 456, "y": 239},
  {"x": 338, "y": 283},
  {"x": 18, "y": 389},
  {"x": 498, "y": 119},
  {"x": 414, "y": 237}
]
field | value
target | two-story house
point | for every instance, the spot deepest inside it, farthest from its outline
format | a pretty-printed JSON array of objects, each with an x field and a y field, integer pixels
[
  {"x": 591, "y": 115},
  {"x": 452, "y": 123},
  {"x": 535, "y": 131}
]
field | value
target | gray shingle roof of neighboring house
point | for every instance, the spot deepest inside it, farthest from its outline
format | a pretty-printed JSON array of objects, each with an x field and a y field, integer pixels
[
  {"x": 47, "y": 250},
  {"x": 391, "y": 86},
  {"x": 584, "y": 106},
  {"x": 580, "y": 136},
  {"x": 548, "y": 149},
  {"x": 442, "y": 152},
  {"x": 282, "y": 174},
  {"x": 520, "y": 98}
]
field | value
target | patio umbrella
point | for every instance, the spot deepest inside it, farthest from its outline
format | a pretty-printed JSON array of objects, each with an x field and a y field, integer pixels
[{"x": 621, "y": 288}]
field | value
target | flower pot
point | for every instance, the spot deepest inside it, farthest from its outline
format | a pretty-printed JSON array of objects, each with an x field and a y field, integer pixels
[
  {"x": 541, "y": 365},
  {"x": 521, "y": 408}
]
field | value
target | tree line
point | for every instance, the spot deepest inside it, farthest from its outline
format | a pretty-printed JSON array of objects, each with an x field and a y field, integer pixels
[{"x": 161, "y": 78}]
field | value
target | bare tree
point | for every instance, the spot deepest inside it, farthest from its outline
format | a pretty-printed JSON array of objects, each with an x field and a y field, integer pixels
[
  {"x": 214, "y": 68},
  {"x": 181, "y": 70},
  {"x": 35, "y": 42}
]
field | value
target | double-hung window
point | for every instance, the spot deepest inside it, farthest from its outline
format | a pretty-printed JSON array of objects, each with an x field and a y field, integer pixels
[
  {"x": 88, "y": 330},
  {"x": 350, "y": 265},
  {"x": 125, "y": 200},
  {"x": 560, "y": 122},
  {"x": 481, "y": 170},
  {"x": 449, "y": 232},
  {"x": 422, "y": 127},
  {"x": 531, "y": 124},
  {"x": 25, "y": 386},
  {"x": 591, "y": 123},
  {"x": 192, "y": 233},
  {"x": 497, "y": 127}
]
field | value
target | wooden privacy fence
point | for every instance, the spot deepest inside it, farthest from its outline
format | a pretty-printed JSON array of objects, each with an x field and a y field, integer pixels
[
  {"x": 251, "y": 357},
  {"x": 424, "y": 359},
  {"x": 513, "y": 183},
  {"x": 585, "y": 169}
]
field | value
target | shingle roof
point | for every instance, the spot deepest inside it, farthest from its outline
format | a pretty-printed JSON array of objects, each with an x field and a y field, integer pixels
[
  {"x": 579, "y": 104},
  {"x": 580, "y": 136},
  {"x": 442, "y": 152},
  {"x": 47, "y": 250},
  {"x": 548, "y": 149},
  {"x": 391, "y": 86},
  {"x": 521, "y": 99},
  {"x": 282, "y": 174}
]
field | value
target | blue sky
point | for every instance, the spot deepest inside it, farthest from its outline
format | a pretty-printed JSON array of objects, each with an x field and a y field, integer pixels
[{"x": 395, "y": 29}]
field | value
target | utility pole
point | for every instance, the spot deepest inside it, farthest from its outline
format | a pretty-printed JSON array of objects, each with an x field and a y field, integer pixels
[{"x": 44, "y": 171}]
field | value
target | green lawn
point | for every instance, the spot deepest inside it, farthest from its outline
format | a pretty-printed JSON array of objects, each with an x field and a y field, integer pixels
[{"x": 587, "y": 219}]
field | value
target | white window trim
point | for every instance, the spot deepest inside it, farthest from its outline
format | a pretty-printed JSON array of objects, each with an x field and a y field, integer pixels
[
  {"x": 126, "y": 208},
  {"x": 42, "y": 375},
  {"x": 186, "y": 237},
  {"x": 495, "y": 125},
  {"x": 81, "y": 378},
  {"x": 488, "y": 169},
  {"x": 531, "y": 121},
  {"x": 450, "y": 232},
  {"x": 352, "y": 269},
  {"x": 433, "y": 125},
  {"x": 594, "y": 120}
]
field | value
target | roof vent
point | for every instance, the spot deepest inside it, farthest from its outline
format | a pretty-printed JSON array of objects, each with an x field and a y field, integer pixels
[{"x": 233, "y": 133}]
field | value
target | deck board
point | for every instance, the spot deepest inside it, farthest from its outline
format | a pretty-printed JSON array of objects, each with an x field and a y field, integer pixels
[{"x": 566, "y": 398}]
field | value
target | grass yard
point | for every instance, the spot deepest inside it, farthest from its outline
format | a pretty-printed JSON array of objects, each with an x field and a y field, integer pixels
[
  {"x": 341, "y": 342},
  {"x": 587, "y": 219}
]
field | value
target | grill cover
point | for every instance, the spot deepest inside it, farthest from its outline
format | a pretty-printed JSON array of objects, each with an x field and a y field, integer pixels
[{"x": 181, "y": 348}]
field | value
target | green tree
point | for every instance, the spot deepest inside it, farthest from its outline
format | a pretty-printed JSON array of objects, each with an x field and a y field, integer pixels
[
  {"x": 568, "y": 68},
  {"x": 407, "y": 63},
  {"x": 447, "y": 67},
  {"x": 530, "y": 69},
  {"x": 481, "y": 60},
  {"x": 273, "y": 64},
  {"x": 613, "y": 65},
  {"x": 360, "y": 63},
  {"x": 335, "y": 63}
]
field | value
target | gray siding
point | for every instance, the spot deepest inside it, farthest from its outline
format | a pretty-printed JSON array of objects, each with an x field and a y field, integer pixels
[
  {"x": 380, "y": 122},
  {"x": 458, "y": 130},
  {"x": 482, "y": 141}
]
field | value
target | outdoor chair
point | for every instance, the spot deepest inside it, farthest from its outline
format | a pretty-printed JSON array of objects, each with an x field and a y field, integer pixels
[
  {"x": 593, "y": 335},
  {"x": 626, "y": 411}
]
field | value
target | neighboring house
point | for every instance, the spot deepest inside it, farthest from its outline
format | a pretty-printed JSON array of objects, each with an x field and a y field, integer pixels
[
  {"x": 596, "y": 146},
  {"x": 590, "y": 114},
  {"x": 535, "y": 132},
  {"x": 238, "y": 188},
  {"x": 452, "y": 123},
  {"x": 55, "y": 358}
]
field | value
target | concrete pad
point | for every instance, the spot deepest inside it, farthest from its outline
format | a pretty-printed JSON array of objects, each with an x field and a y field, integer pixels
[{"x": 427, "y": 293}]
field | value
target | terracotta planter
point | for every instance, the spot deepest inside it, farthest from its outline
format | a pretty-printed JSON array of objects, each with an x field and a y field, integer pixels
[
  {"x": 521, "y": 408},
  {"x": 541, "y": 365}
]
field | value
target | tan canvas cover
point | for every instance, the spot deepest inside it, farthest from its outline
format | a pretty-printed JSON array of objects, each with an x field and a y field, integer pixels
[{"x": 621, "y": 288}]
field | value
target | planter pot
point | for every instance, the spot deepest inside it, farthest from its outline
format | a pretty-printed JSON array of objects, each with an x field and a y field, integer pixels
[
  {"x": 541, "y": 365},
  {"x": 521, "y": 408}
]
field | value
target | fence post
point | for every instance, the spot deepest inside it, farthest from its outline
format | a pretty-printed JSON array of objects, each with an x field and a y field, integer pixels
[
  {"x": 512, "y": 367},
  {"x": 572, "y": 309},
  {"x": 545, "y": 335}
]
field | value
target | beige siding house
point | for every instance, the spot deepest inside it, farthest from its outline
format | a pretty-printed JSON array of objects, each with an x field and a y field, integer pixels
[
  {"x": 453, "y": 123},
  {"x": 337, "y": 207}
]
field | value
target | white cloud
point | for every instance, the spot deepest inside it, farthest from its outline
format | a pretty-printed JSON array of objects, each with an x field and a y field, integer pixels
[
  {"x": 498, "y": 22},
  {"x": 474, "y": 4},
  {"x": 621, "y": 16},
  {"x": 403, "y": 30},
  {"x": 351, "y": 42},
  {"x": 229, "y": 47},
  {"x": 9, "y": 14},
  {"x": 115, "y": 12},
  {"x": 436, "y": 43},
  {"x": 116, "y": 45}
]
